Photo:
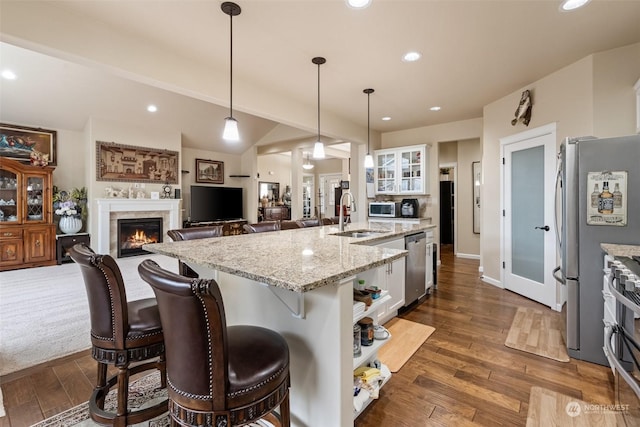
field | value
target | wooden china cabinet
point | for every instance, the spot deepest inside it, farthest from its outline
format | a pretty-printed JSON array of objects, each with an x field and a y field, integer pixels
[{"x": 27, "y": 230}]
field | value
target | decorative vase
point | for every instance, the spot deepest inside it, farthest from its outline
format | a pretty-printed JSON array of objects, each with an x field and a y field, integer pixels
[{"x": 70, "y": 225}]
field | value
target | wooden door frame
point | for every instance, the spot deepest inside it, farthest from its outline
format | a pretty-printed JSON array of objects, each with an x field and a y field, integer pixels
[{"x": 453, "y": 165}]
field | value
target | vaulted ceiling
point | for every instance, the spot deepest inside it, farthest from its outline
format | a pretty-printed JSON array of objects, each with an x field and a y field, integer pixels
[{"x": 473, "y": 52}]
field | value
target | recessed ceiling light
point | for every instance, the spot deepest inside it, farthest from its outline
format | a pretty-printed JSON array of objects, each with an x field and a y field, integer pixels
[
  {"x": 358, "y": 4},
  {"x": 9, "y": 75},
  {"x": 411, "y": 56},
  {"x": 568, "y": 5},
  {"x": 152, "y": 108},
  {"x": 435, "y": 108},
  {"x": 386, "y": 118}
]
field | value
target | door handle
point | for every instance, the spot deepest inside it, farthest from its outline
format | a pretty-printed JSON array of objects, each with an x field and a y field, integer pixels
[{"x": 545, "y": 228}]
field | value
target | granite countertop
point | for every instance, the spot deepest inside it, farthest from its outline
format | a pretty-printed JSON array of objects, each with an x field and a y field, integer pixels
[
  {"x": 621, "y": 250},
  {"x": 298, "y": 260}
]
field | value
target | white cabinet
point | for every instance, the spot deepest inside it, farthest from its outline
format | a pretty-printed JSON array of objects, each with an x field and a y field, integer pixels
[
  {"x": 402, "y": 170},
  {"x": 429, "y": 263},
  {"x": 637, "y": 88},
  {"x": 391, "y": 278}
]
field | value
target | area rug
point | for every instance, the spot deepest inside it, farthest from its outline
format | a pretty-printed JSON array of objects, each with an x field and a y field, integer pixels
[
  {"x": 406, "y": 339},
  {"x": 548, "y": 409},
  {"x": 143, "y": 393},
  {"x": 537, "y": 332}
]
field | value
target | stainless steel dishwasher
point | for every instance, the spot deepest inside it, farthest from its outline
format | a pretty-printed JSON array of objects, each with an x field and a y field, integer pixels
[{"x": 416, "y": 261}]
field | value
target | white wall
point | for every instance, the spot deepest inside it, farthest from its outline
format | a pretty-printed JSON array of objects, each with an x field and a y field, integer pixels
[
  {"x": 120, "y": 133},
  {"x": 615, "y": 73},
  {"x": 432, "y": 135},
  {"x": 593, "y": 96},
  {"x": 275, "y": 168},
  {"x": 468, "y": 152},
  {"x": 232, "y": 166}
]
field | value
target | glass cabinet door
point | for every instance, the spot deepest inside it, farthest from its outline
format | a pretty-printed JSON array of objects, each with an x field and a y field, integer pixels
[
  {"x": 34, "y": 201},
  {"x": 411, "y": 180},
  {"x": 386, "y": 173},
  {"x": 9, "y": 186}
]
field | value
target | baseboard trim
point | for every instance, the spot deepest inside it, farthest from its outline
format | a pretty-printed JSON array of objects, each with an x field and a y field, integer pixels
[
  {"x": 491, "y": 281},
  {"x": 468, "y": 256}
]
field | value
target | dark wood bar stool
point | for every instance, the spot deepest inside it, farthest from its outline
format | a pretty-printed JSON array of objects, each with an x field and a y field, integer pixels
[
  {"x": 311, "y": 222},
  {"x": 288, "y": 225},
  {"x": 192, "y": 233},
  {"x": 218, "y": 375},
  {"x": 121, "y": 333},
  {"x": 262, "y": 227}
]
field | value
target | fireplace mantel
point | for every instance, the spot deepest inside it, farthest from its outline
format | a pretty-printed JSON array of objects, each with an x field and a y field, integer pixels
[{"x": 107, "y": 206}]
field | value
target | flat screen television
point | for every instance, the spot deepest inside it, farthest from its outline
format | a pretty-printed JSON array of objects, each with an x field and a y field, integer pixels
[{"x": 215, "y": 203}]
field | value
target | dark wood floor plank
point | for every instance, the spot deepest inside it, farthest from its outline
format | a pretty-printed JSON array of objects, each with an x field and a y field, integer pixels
[
  {"x": 75, "y": 383},
  {"x": 462, "y": 375},
  {"x": 51, "y": 395}
]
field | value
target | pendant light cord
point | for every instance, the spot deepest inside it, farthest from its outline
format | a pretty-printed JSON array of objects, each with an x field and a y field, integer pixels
[
  {"x": 368, "y": 120},
  {"x": 231, "y": 65},
  {"x": 368, "y": 92},
  {"x": 318, "y": 101}
]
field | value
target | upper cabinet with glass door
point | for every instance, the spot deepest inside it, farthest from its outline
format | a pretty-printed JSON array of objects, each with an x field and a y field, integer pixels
[
  {"x": 402, "y": 170},
  {"x": 25, "y": 193},
  {"x": 9, "y": 200},
  {"x": 35, "y": 198}
]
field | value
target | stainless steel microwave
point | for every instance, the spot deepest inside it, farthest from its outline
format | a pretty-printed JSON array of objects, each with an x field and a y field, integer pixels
[{"x": 385, "y": 209}]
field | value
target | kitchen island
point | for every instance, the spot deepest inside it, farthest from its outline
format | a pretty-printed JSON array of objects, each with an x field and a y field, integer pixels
[{"x": 299, "y": 283}]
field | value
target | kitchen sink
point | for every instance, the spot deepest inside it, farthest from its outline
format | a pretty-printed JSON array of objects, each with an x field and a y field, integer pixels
[{"x": 359, "y": 233}]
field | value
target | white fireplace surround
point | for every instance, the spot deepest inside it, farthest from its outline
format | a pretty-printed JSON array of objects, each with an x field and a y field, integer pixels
[{"x": 108, "y": 207}]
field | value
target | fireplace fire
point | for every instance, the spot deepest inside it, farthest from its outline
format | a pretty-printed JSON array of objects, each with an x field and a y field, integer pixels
[{"x": 134, "y": 233}]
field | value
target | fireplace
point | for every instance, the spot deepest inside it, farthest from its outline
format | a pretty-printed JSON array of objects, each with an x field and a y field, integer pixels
[{"x": 133, "y": 233}]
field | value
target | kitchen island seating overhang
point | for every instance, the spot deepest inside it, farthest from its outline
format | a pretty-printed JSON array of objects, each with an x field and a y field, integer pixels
[{"x": 299, "y": 283}]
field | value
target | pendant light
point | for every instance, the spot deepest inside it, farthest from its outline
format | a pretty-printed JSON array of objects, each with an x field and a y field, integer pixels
[
  {"x": 308, "y": 165},
  {"x": 230, "y": 124},
  {"x": 318, "y": 148},
  {"x": 368, "y": 159}
]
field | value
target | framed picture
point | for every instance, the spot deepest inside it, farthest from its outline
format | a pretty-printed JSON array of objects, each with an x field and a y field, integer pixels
[
  {"x": 18, "y": 142},
  {"x": 129, "y": 163},
  {"x": 269, "y": 191},
  {"x": 476, "y": 176},
  {"x": 209, "y": 171},
  {"x": 344, "y": 185}
]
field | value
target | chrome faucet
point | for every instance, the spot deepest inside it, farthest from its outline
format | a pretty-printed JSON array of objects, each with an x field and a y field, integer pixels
[{"x": 353, "y": 209}]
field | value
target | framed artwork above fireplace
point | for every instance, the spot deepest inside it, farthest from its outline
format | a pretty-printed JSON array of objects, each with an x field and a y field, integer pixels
[{"x": 129, "y": 163}]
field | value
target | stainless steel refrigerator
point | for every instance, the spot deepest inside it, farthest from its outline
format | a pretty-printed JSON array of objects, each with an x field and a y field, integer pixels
[{"x": 592, "y": 214}]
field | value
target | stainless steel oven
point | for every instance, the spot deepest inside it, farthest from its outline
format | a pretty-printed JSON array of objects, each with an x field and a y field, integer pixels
[{"x": 621, "y": 341}]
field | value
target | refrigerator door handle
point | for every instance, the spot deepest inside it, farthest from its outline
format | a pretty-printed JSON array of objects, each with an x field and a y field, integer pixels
[
  {"x": 555, "y": 202},
  {"x": 559, "y": 279}
]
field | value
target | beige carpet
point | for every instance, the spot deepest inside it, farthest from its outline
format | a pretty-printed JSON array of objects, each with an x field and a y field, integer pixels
[
  {"x": 548, "y": 409},
  {"x": 44, "y": 313},
  {"x": 537, "y": 332},
  {"x": 406, "y": 338}
]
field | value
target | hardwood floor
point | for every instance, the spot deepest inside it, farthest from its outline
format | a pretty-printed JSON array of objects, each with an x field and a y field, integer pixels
[{"x": 462, "y": 375}]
